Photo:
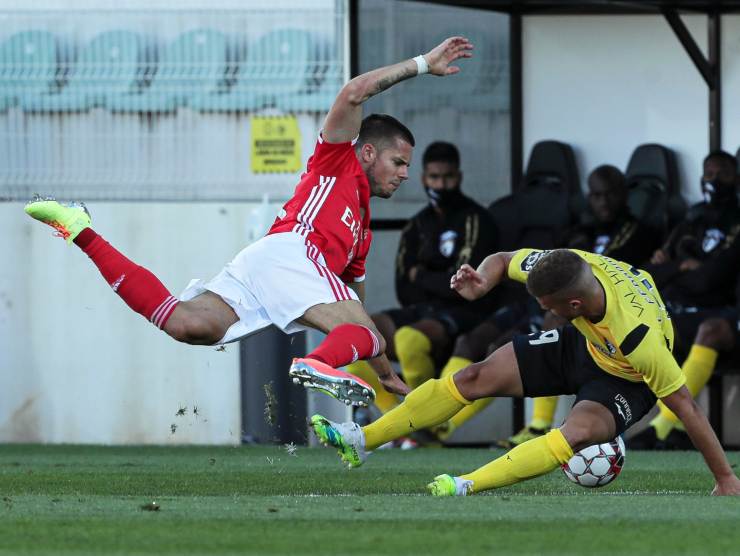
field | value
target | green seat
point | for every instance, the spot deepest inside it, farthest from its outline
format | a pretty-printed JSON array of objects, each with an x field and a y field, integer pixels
[
  {"x": 112, "y": 63},
  {"x": 193, "y": 64},
  {"x": 315, "y": 98},
  {"x": 28, "y": 65},
  {"x": 282, "y": 62}
]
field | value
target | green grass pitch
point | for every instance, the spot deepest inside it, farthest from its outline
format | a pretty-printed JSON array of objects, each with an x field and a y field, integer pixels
[{"x": 88, "y": 500}]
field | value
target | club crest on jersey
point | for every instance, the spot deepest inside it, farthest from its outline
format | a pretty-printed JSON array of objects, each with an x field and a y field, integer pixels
[
  {"x": 609, "y": 350},
  {"x": 531, "y": 260},
  {"x": 712, "y": 238},
  {"x": 447, "y": 243}
]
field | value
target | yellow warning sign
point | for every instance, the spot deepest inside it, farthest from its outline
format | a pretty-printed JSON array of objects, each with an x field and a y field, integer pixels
[{"x": 276, "y": 144}]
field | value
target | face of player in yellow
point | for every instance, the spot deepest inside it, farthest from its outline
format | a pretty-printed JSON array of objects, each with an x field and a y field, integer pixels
[
  {"x": 386, "y": 169},
  {"x": 562, "y": 307}
]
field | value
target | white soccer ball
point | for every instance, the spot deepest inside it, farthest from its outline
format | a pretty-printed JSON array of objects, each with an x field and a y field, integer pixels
[{"x": 597, "y": 465}]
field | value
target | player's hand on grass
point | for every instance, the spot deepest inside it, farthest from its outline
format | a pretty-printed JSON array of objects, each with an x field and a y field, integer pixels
[
  {"x": 440, "y": 57},
  {"x": 727, "y": 487},
  {"x": 469, "y": 283},
  {"x": 393, "y": 384}
]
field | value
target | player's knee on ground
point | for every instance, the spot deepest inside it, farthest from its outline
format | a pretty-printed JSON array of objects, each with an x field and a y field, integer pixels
[
  {"x": 581, "y": 433},
  {"x": 192, "y": 328},
  {"x": 715, "y": 333}
]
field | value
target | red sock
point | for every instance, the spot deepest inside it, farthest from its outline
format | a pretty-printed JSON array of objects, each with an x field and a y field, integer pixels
[
  {"x": 139, "y": 288},
  {"x": 346, "y": 344}
]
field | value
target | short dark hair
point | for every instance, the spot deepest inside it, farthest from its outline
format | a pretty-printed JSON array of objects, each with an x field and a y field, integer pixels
[
  {"x": 380, "y": 129},
  {"x": 559, "y": 270},
  {"x": 441, "y": 151},
  {"x": 609, "y": 174},
  {"x": 722, "y": 155}
]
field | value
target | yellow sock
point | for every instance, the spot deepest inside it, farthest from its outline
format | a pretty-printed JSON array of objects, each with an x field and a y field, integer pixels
[
  {"x": 414, "y": 350},
  {"x": 543, "y": 412},
  {"x": 528, "y": 460},
  {"x": 468, "y": 412},
  {"x": 454, "y": 365},
  {"x": 698, "y": 368},
  {"x": 432, "y": 403},
  {"x": 384, "y": 400}
]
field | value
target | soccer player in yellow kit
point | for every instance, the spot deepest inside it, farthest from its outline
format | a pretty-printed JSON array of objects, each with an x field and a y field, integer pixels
[{"x": 615, "y": 356}]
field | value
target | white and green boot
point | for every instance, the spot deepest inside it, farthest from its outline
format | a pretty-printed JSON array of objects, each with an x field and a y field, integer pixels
[
  {"x": 447, "y": 485},
  {"x": 347, "y": 438},
  {"x": 68, "y": 219}
]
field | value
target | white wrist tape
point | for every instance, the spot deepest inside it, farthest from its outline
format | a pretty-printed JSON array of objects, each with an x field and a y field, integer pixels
[{"x": 421, "y": 65}]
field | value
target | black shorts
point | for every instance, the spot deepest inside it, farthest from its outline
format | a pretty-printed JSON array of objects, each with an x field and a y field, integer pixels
[
  {"x": 556, "y": 362},
  {"x": 455, "y": 319},
  {"x": 686, "y": 321}
]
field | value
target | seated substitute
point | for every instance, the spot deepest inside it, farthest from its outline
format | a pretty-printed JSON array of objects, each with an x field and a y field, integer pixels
[
  {"x": 615, "y": 356},
  {"x": 696, "y": 271},
  {"x": 450, "y": 231},
  {"x": 610, "y": 230}
]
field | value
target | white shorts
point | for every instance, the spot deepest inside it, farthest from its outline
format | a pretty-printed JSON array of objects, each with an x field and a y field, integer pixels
[{"x": 275, "y": 280}]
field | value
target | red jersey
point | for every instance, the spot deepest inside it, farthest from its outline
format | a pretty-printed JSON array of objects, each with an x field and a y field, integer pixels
[{"x": 331, "y": 209}]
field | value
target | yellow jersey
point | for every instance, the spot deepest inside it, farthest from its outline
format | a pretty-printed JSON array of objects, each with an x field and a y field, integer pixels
[{"x": 634, "y": 340}]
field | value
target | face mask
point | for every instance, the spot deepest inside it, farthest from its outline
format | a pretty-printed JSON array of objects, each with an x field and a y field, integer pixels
[
  {"x": 443, "y": 198},
  {"x": 716, "y": 194}
]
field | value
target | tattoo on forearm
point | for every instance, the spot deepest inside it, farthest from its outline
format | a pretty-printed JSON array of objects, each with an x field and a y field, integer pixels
[{"x": 389, "y": 80}]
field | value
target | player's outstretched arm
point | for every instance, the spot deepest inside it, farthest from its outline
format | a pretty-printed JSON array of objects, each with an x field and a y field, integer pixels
[
  {"x": 387, "y": 376},
  {"x": 703, "y": 437},
  {"x": 342, "y": 124},
  {"x": 475, "y": 283}
]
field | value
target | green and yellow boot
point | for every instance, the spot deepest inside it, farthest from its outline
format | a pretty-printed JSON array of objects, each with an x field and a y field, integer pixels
[{"x": 68, "y": 219}]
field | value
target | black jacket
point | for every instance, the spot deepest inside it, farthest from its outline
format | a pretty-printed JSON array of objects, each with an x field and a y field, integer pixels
[
  {"x": 710, "y": 235},
  {"x": 438, "y": 244},
  {"x": 625, "y": 239}
]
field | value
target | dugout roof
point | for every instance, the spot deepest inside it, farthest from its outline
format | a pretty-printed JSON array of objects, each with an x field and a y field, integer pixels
[{"x": 542, "y": 7}]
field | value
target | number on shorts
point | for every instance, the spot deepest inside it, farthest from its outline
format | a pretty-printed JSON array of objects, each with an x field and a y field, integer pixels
[{"x": 547, "y": 337}]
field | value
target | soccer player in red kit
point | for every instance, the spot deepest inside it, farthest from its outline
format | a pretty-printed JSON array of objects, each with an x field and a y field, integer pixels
[{"x": 308, "y": 270}]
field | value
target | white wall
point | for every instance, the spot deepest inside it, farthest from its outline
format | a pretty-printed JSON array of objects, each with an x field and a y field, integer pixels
[
  {"x": 607, "y": 84},
  {"x": 76, "y": 365},
  {"x": 731, "y": 82}
]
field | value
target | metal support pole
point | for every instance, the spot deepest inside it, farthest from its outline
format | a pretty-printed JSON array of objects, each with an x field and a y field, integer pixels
[
  {"x": 515, "y": 99},
  {"x": 710, "y": 68},
  {"x": 714, "y": 34},
  {"x": 353, "y": 9}
]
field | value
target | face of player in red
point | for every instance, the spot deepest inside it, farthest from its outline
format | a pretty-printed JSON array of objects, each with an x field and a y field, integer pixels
[{"x": 386, "y": 169}]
